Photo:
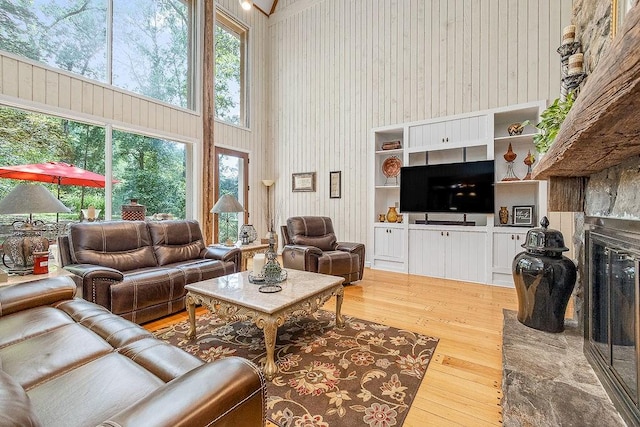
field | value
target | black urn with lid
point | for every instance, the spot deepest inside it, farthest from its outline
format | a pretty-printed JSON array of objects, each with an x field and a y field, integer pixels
[{"x": 544, "y": 279}]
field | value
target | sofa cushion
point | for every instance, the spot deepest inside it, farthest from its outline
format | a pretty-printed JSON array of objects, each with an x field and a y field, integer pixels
[
  {"x": 66, "y": 347},
  {"x": 25, "y": 324},
  {"x": 175, "y": 241},
  {"x": 145, "y": 288},
  {"x": 338, "y": 263},
  {"x": 312, "y": 231},
  {"x": 122, "y": 245},
  {"x": 203, "y": 269},
  {"x": 89, "y": 394}
]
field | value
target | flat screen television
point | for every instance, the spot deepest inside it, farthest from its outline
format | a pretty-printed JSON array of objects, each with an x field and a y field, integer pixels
[{"x": 466, "y": 188}]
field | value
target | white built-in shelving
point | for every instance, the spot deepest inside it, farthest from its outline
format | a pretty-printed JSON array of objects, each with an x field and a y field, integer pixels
[{"x": 479, "y": 253}]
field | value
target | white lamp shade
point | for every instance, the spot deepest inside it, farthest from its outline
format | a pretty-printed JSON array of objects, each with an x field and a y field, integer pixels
[
  {"x": 30, "y": 199},
  {"x": 227, "y": 204},
  {"x": 268, "y": 182}
]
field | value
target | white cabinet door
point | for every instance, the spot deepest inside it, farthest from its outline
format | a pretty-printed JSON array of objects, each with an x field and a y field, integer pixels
[
  {"x": 388, "y": 248},
  {"x": 380, "y": 241},
  {"x": 453, "y": 132},
  {"x": 466, "y": 256},
  {"x": 426, "y": 253}
]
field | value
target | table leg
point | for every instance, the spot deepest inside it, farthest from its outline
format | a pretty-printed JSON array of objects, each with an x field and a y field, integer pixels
[
  {"x": 270, "y": 328},
  {"x": 191, "y": 309},
  {"x": 339, "y": 319}
]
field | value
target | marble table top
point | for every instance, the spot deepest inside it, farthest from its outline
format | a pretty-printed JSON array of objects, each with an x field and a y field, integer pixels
[{"x": 236, "y": 288}]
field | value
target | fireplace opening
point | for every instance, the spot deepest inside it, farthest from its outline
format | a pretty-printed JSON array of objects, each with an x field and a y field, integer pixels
[{"x": 612, "y": 317}]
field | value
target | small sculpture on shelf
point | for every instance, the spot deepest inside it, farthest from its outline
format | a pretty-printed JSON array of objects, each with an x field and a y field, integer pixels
[
  {"x": 529, "y": 161},
  {"x": 510, "y": 156}
]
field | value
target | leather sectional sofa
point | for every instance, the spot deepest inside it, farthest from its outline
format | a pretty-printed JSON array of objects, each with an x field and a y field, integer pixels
[
  {"x": 138, "y": 269},
  {"x": 67, "y": 362}
]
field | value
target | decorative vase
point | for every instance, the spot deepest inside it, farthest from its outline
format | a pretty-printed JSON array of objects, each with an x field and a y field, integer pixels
[
  {"x": 515, "y": 129},
  {"x": 510, "y": 156},
  {"x": 544, "y": 279},
  {"x": 503, "y": 214},
  {"x": 399, "y": 219},
  {"x": 382, "y": 217},
  {"x": 529, "y": 160},
  {"x": 392, "y": 214}
]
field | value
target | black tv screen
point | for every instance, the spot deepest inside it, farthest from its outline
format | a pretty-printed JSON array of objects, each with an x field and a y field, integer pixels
[{"x": 464, "y": 188}]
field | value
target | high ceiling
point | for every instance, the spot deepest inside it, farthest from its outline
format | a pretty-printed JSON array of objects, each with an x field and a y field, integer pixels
[{"x": 266, "y": 6}]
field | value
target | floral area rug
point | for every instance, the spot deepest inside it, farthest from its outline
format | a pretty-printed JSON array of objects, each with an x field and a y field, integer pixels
[{"x": 365, "y": 374}]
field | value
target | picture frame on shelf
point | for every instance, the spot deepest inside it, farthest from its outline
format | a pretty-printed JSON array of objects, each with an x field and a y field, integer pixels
[
  {"x": 303, "y": 182},
  {"x": 335, "y": 184},
  {"x": 523, "y": 216}
]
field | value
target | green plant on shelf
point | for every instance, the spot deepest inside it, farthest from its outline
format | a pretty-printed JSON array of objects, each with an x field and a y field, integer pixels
[{"x": 550, "y": 121}]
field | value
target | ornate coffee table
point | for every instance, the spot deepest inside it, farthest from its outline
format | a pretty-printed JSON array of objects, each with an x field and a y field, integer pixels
[{"x": 234, "y": 298}]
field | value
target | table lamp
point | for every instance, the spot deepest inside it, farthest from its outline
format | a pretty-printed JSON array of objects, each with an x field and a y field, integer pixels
[
  {"x": 227, "y": 204},
  {"x": 26, "y": 238}
]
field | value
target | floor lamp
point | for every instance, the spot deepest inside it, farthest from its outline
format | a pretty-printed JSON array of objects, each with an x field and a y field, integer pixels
[
  {"x": 227, "y": 204},
  {"x": 268, "y": 183}
]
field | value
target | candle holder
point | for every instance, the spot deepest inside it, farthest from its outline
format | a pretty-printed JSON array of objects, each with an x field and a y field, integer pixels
[
  {"x": 572, "y": 81},
  {"x": 568, "y": 49}
]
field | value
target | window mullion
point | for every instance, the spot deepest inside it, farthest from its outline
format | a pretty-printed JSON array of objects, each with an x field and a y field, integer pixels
[{"x": 110, "y": 42}]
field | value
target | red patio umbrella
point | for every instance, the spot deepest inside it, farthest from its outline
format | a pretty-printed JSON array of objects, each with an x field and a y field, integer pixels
[{"x": 54, "y": 173}]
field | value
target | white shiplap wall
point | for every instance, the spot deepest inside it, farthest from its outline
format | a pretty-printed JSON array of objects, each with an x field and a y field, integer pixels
[{"x": 339, "y": 68}]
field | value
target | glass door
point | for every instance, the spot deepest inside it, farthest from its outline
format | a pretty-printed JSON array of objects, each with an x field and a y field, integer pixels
[{"x": 232, "y": 171}]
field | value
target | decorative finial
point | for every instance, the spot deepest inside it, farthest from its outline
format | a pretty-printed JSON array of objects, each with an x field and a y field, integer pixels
[{"x": 544, "y": 222}]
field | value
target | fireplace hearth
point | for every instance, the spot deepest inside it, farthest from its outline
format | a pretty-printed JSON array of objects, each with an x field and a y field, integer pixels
[{"x": 612, "y": 317}]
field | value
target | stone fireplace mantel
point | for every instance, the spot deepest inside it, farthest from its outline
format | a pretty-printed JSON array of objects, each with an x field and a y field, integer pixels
[{"x": 603, "y": 127}]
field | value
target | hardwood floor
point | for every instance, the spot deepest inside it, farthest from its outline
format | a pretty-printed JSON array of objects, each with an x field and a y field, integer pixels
[{"x": 462, "y": 386}]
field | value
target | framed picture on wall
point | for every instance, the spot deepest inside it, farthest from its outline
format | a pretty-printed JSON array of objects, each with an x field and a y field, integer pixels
[
  {"x": 619, "y": 9},
  {"x": 335, "y": 185},
  {"x": 523, "y": 216},
  {"x": 305, "y": 181}
]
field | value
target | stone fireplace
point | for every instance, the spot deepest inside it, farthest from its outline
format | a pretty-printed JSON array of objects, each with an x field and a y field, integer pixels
[{"x": 593, "y": 169}]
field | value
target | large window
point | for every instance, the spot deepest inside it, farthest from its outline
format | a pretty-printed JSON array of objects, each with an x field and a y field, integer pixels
[
  {"x": 151, "y": 170},
  {"x": 230, "y": 71},
  {"x": 151, "y": 53}
]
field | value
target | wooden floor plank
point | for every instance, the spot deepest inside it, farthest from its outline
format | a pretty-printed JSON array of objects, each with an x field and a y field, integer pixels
[{"x": 462, "y": 386}]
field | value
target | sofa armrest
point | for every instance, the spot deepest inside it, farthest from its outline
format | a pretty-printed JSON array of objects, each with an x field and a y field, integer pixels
[
  {"x": 23, "y": 296},
  {"x": 354, "y": 248},
  {"x": 222, "y": 253},
  {"x": 228, "y": 392},
  {"x": 92, "y": 271},
  {"x": 301, "y": 257},
  {"x": 96, "y": 281}
]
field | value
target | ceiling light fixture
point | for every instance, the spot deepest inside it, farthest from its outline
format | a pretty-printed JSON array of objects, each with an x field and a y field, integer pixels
[{"x": 246, "y": 4}]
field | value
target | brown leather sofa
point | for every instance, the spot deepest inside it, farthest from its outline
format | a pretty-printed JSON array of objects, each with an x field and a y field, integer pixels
[
  {"x": 138, "y": 269},
  {"x": 311, "y": 245},
  {"x": 67, "y": 362}
]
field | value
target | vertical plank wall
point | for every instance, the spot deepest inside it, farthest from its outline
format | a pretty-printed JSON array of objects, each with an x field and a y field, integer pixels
[{"x": 338, "y": 68}]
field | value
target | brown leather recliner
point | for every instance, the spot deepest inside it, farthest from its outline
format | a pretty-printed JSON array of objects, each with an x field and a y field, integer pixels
[{"x": 311, "y": 245}]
